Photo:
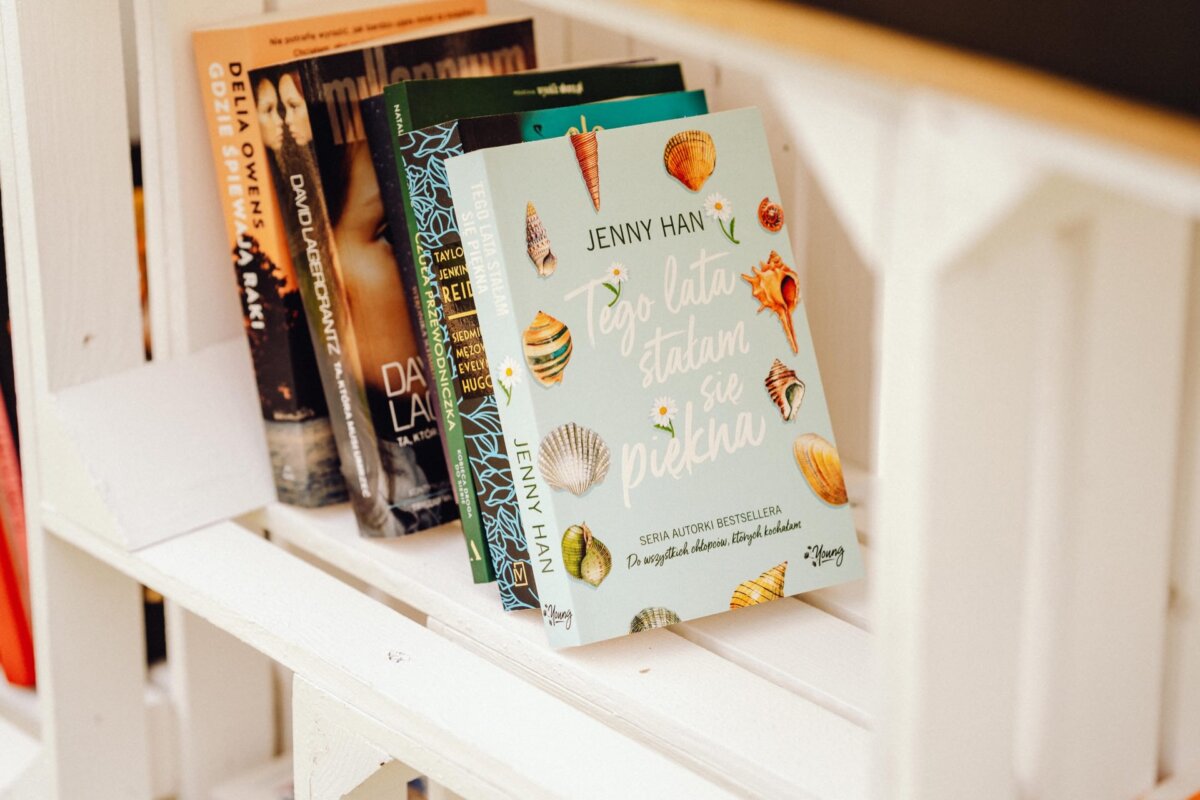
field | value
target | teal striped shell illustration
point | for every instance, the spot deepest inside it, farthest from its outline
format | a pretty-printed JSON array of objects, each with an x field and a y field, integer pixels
[{"x": 547, "y": 348}]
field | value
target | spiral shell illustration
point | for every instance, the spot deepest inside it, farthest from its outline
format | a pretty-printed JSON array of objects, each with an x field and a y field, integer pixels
[
  {"x": 587, "y": 154},
  {"x": 822, "y": 468},
  {"x": 690, "y": 157},
  {"x": 547, "y": 346},
  {"x": 770, "y": 215},
  {"x": 653, "y": 617},
  {"x": 776, "y": 286},
  {"x": 763, "y": 589},
  {"x": 537, "y": 243},
  {"x": 785, "y": 388},
  {"x": 573, "y": 457}
]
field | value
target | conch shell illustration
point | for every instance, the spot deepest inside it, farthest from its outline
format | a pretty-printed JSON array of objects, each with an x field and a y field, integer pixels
[
  {"x": 690, "y": 157},
  {"x": 785, "y": 388},
  {"x": 776, "y": 286},
  {"x": 653, "y": 617},
  {"x": 584, "y": 556},
  {"x": 547, "y": 345},
  {"x": 537, "y": 243},
  {"x": 770, "y": 215},
  {"x": 763, "y": 589},
  {"x": 822, "y": 468},
  {"x": 587, "y": 154},
  {"x": 573, "y": 457}
]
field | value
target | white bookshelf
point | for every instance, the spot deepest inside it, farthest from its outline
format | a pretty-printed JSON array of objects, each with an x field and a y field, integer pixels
[{"x": 1003, "y": 280}]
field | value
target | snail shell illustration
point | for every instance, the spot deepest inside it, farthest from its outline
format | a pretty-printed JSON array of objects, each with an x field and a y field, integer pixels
[
  {"x": 770, "y": 215},
  {"x": 822, "y": 468},
  {"x": 587, "y": 154},
  {"x": 776, "y": 286},
  {"x": 547, "y": 345},
  {"x": 785, "y": 388},
  {"x": 691, "y": 157},
  {"x": 584, "y": 556},
  {"x": 573, "y": 457},
  {"x": 537, "y": 244},
  {"x": 763, "y": 589},
  {"x": 653, "y": 617}
]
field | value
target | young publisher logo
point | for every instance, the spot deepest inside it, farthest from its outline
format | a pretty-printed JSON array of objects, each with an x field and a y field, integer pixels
[
  {"x": 554, "y": 617},
  {"x": 819, "y": 555}
]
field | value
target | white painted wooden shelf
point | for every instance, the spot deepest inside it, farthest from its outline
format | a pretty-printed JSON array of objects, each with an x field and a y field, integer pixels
[{"x": 1002, "y": 275}]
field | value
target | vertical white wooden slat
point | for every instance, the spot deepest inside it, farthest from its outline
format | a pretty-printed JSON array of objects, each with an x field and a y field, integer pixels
[{"x": 222, "y": 691}]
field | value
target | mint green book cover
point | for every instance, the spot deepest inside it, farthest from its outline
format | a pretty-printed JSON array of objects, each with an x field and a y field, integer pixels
[{"x": 683, "y": 463}]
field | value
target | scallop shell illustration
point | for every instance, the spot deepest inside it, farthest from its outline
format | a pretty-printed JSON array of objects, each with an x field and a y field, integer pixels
[
  {"x": 573, "y": 457},
  {"x": 653, "y": 617},
  {"x": 763, "y": 589},
  {"x": 596, "y": 563},
  {"x": 776, "y": 286},
  {"x": 770, "y": 215},
  {"x": 547, "y": 345},
  {"x": 785, "y": 388},
  {"x": 822, "y": 468},
  {"x": 537, "y": 243},
  {"x": 691, "y": 157},
  {"x": 587, "y": 154}
]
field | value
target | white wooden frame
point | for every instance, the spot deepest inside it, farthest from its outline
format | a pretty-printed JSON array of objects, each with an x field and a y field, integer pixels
[{"x": 1008, "y": 316}]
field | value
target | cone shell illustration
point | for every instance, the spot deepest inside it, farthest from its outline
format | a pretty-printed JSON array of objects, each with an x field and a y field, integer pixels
[
  {"x": 770, "y": 215},
  {"x": 653, "y": 617},
  {"x": 584, "y": 556},
  {"x": 547, "y": 346},
  {"x": 763, "y": 589},
  {"x": 822, "y": 468},
  {"x": 596, "y": 564},
  {"x": 537, "y": 244},
  {"x": 573, "y": 457},
  {"x": 785, "y": 388},
  {"x": 776, "y": 286},
  {"x": 690, "y": 157},
  {"x": 586, "y": 153}
]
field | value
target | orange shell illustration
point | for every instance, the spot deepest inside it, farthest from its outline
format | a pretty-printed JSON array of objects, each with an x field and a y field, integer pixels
[
  {"x": 785, "y": 388},
  {"x": 763, "y": 589},
  {"x": 586, "y": 153},
  {"x": 822, "y": 468},
  {"x": 537, "y": 243},
  {"x": 770, "y": 215},
  {"x": 690, "y": 156},
  {"x": 777, "y": 287}
]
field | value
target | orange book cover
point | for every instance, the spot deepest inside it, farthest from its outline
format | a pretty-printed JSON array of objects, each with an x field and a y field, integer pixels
[
  {"x": 16, "y": 639},
  {"x": 300, "y": 438}
]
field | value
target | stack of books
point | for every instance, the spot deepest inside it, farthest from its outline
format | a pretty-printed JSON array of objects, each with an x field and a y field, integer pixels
[{"x": 558, "y": 306}]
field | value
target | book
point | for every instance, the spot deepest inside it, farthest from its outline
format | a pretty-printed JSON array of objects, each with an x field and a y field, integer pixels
[
  {"x": 475, "y": 440},
  {"x": 371, "y": 365},
  {"x": 683, "y": 461},
  {"x": 435, "y": 236},
  {"x": 16, "y": 638},
  {"x": 299, "y": 437}
]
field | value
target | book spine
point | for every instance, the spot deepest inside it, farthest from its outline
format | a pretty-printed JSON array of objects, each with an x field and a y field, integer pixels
[
  {"x": 488, "y": 266},
  {"x": 417, "y": 267},
  {"x": 424, "y": 153},
  {"x": 16, "y": 639},
  {"x": 303, "y": 455}
]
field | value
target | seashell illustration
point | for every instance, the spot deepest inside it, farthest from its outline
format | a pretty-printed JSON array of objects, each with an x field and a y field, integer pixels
[
  {"x": 822, "y": 468},
  {"x": 690, "y": 156},
  {"x": 653, "y": 617},
  {"x": 573, "y": 457},
  {"x": 587, "y": 155},
  {"x": 572, "y": 548},
  {"x": 584, "y": 556},
  {"x": 770, "y": 215},
  {"x": 537, "y": 244},
  {"x": 547, "y": 345},
  {"x": 763, "y": 589},
  {"x": 785, "y": 388},
  {"x": 776, "y": 287},
  {"x": 596, "y": 564}
]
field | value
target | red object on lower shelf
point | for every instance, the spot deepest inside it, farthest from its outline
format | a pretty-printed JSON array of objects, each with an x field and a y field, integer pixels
[{"x": 16, "y": 640}]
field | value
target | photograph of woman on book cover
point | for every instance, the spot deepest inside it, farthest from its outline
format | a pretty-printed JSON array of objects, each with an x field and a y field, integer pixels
[
  {"x": 294, "y": 109},
  {"x": 270, "y": 122}
]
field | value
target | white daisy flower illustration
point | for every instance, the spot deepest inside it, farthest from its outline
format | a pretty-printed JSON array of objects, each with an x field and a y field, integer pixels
[
  {"x": 507, "y": 377},
  {"x": 617, "y": 273},
  {"x": 717, "y": 207},
  {"x": 662, "y": 414}
]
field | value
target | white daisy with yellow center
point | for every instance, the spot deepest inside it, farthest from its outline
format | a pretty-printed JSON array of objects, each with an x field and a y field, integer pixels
[
  {"x": 662, "y": 414},
  {"x": 507, "y": 377},
  {"x": 717, "y": 207},
  {"x": 617, "y": 273}
]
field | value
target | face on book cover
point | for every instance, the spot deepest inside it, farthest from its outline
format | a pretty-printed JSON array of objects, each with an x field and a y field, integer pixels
[{"x": 282, "y": 107}]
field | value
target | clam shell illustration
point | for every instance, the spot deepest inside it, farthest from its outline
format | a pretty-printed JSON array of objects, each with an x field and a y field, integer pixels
[
  {"x": 547, "y": 346},
  {"x": 584, "y": 556},
  {"x": 770, "y": 215},
  {"x": 763, "y": 589},
  {"x": 588, "y": 156},
  {"x": 690, "y": 157},
  {"x": 822, "y": 468},
  {"x": 776, "y": 286},
  {"x": 537, "y": 243},
  {"x": 573, "y": 457},
  {"x": 785, "y": 388},
  {"x": 653, "y": 617}
]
